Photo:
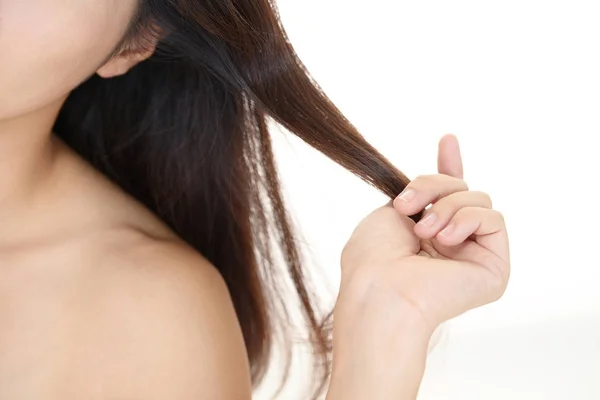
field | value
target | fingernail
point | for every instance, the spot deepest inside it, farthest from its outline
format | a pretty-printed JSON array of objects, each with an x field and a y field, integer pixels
[
  {"x": 429, "y": 220},
  {"x": 407, "y": 195},
  {"x": 447, "y": 231}
]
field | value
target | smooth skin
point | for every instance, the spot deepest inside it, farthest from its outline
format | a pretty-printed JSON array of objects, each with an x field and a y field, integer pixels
[
  {"x": 99, "y": 299},
  {"x": 401, "y": 280}
]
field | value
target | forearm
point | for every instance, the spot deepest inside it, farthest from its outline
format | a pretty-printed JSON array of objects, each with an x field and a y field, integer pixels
[{"x": 386, "y": 361}]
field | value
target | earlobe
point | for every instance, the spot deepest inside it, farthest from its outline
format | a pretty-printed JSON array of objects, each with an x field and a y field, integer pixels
[
  {"x": 114, "y": 67},
  {"x": 121, "y": 63},
  {"x": 137, "y": 50}
]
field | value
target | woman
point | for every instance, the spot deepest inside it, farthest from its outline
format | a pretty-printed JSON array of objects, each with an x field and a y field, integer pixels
[{"x": 141, "y": 212}]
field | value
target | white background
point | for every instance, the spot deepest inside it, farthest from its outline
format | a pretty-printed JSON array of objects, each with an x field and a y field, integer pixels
[{"x": 519, "y": 83}]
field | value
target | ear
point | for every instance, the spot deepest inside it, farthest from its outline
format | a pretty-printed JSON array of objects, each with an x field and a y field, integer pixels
[{"x": 128, "y": 57}]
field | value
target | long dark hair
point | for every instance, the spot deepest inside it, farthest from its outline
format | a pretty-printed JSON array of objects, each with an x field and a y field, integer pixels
[{"x": 185, "y": 132}]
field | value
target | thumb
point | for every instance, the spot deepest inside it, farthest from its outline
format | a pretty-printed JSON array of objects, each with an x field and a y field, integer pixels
[{"x": 449, "y": 158}]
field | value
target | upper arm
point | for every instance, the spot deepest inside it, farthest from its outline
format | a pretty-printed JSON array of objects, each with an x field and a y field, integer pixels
[{"x": 172, "y": 332}]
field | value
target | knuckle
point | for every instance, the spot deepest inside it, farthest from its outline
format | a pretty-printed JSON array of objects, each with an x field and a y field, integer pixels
[
  {"x": 463, "y": 185},
  {"x": 420, "y": 181},
  {"x": 456, "y": 202},
  {"x": 464, "y": 213},
  {"x": 500, "y": 274},
  {"x": 442, "y": 183},
  {"x": 477, "y": 212},
  {"x": 452, "y": 202},
  {"x": 499, "y": 289},
  {"x": 500, "y": 217},
  {"x": 486, "y": 199},
  {"x": 453, "y": 185},
  {"x": 425, "y": 177},
  {"x": 460, "y": 184},
  {"x": 445, "y": 207}
]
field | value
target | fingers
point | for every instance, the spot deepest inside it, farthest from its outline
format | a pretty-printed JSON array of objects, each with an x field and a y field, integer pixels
[
  {"x": 440, "y": 213},
  {"x": 449, "y": 158},
  {"x": 456, "y": 213},
  {"x": 469, "y": 221},
  {"x": 487, "y": 226},
  {"x": 427, "y": 189}
]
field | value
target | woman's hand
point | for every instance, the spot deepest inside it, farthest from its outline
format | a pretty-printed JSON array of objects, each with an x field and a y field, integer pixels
[
  {"x": 401, "y": 280},
  {"x": 455, "y": 259}
]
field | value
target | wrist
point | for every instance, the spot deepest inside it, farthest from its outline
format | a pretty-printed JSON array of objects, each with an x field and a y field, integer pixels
[{"x": 382, "y": 355}]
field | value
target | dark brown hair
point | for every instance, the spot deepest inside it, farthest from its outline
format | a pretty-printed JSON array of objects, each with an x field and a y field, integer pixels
[{"x": 185, "y": 132}]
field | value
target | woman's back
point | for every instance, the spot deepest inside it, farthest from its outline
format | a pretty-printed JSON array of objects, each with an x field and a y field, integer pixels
[{"x": 94, "y": 289}]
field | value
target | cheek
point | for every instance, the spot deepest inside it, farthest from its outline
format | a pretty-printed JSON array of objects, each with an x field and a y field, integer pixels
[{"x": 48, "y": 47}]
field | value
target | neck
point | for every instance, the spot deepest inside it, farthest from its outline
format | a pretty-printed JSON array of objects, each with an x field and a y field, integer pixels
[{"x": 27, "y": 157}]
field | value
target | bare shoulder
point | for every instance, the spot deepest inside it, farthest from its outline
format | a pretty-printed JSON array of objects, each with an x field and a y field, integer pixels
[
  {"x": 126, "y": 309},
  {"x": 168, "y": 325}
]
